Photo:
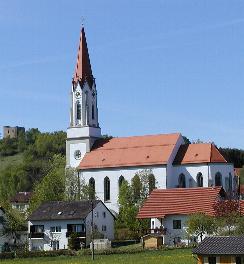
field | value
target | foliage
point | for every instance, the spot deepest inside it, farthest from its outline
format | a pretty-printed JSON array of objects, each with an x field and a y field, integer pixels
[
  {"x": 199, "y": 224},
  {"x": 186, "y": 140},
  {"x": 13, "y": 221},
  {"x": 52, "y": 186},
  {"x": 130, "y": 199},
  {"x": 234, "y": 155},
  {"x": 35, "y": 150},
  {"x": 227, "y": 214},
  {"x": 74, "y": 242},
  {"x": 241, "y": 176},
  {"x": 76, "y": 187}
]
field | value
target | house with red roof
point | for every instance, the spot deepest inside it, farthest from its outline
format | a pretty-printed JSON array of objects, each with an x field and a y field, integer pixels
[
  {"x": 104, "y": 163},
  {"x": 168, "y": 210}
]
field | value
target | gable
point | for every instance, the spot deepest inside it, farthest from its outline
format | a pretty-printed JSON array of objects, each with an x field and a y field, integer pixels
[{"x": 198, "y": 153}]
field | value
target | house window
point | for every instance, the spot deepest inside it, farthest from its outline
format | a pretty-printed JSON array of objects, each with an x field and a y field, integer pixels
[
  {"x": 199, "y": 180},
  {"x": 218, "y": 179},
  {"x": 104, "y": 228},
  {"x": 176, "y": 224},
  {"x": 182, "y": 181},
  {"x": 55, "y": 244},
  {"x": 212, "y": 260},
  {"x": 104, "y": 214},
  {"x": 72, "y": 228},
  {"x": 78, "y": 111},
  {"x": 106, "y": 189},
  {"x": 92, "y": 189},
  {"x": 54, "y": 229},
  {"x": 151, "y": 182},
  {"x": 121, "y": 179},
  {"x": 37, "y": 228}
]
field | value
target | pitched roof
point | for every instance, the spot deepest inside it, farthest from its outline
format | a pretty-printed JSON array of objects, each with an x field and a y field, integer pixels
[
  {"x": 83, "y": 69},
  {"x": 21, "y": 197},
  {"x": 198, "y": 153},
  {"x": 185, "y": 201},
  {"x": 62, "y": 210},
  {"x": 233, "y": 245},
  {"x": 130, "y": 151}
]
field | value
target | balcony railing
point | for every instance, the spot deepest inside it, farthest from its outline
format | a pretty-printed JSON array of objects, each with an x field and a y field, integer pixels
[
  {"x": 160, "y": 231},
  {"x": 78, "y": 234},
  {"x": 36, "y": 235}
]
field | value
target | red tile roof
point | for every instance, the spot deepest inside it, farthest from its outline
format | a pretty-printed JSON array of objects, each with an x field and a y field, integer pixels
[
  {"x": 21, "y": 197},
  {"x": 184, "y": 201},
  {"x": 130, "y": 151},
  {"x": 198, "y": 153},
  {"x": 83, "y": 69}
]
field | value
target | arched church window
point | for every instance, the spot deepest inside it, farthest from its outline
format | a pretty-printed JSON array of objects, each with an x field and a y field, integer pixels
[
  {"x": 182, "y": 181},
  {"x": 121, "y": 180},
  {"x": 93, "y": 112},
  {"x": 151, "y": 182},
  {"x": 78, "y": 110},
  {"x": 199, "y": 180},
  {"x": 92, "y": 189},
  {"x": 136, "y": 187},
  {"x": 106, "y": 189},
  {"x": 190, "y": 183},
  {"x": 230, "y": 182},
  {"x": 227, "y": 186},
  {"x": 218, "y": 179}
]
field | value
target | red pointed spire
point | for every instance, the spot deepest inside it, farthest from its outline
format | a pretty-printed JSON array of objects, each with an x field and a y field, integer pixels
[{"x": 83, "y": 69}]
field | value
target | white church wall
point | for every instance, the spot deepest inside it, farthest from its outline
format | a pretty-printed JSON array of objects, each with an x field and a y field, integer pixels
[
  {"x": 74, "y": 162},
  {"x": 225, "y": 169},
  {"x": 170, "y": 170},
  {"x": 190, "y": 172},
  {"x": 113, "y": 174}
]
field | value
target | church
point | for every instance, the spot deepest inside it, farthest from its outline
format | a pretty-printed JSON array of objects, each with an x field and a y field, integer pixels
[{"x": 104, "y": 163}]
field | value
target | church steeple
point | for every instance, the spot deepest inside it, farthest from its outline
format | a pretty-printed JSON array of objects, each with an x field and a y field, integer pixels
[
  {"x": 83, "y": 70},
  {"x": 84, "y": 127}
]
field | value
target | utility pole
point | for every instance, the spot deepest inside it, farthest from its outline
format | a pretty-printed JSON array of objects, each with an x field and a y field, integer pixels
[{"x": 92, "y": 235}]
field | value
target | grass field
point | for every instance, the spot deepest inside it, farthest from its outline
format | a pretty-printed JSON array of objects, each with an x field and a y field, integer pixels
[{"x": 176, "y": 256}]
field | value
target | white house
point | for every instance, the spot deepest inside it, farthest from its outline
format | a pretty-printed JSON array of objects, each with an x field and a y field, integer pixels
[
  {"x": 21, "y": 201},
  {"x": 169, "y": 209},
  {"x": 105, "y": 163},
  {"x": 51, "y": 225}
]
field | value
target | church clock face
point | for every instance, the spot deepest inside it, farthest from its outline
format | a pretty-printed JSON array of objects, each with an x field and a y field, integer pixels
[
  {"x": 77, "y": 94},
  {"x": 77, "y": 155}
]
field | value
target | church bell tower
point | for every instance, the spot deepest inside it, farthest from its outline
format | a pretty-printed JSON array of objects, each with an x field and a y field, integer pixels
[{"x": 84, "y": 127}]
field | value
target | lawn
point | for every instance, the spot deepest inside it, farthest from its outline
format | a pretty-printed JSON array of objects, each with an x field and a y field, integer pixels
[{"x": 175, "y": 256}]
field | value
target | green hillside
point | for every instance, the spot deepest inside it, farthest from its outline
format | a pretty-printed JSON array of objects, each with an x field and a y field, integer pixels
[{"x": 10, "y": 161}]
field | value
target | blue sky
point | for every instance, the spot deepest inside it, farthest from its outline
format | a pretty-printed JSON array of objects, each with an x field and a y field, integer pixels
[{"x": 161, "y": 66}]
